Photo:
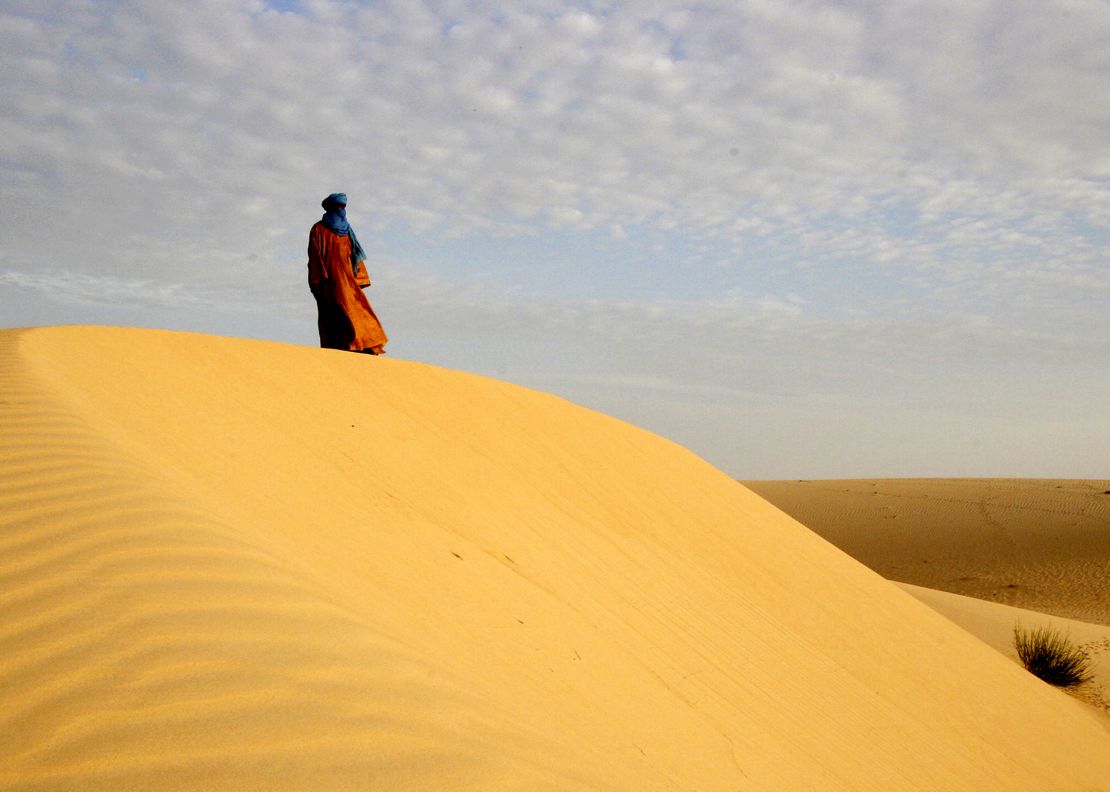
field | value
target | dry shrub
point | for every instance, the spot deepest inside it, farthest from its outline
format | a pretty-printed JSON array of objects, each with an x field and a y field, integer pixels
[{"x": 1049, "y": 655}]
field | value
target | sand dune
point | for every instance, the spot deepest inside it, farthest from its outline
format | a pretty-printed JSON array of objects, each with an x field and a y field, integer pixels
[
  {"x": 1037, "y": 544},
  {"x": 242, "y": 565},
  {"x": 994, "y": 624},
  {"x": 982, "y": 543}
]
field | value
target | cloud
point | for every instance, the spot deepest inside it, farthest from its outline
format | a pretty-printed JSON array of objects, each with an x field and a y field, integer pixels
[
  {"x": 93, "y": 290},
  {"x": 758, "y": 123},
  {"x": 744, "y": 196},
  {"x": 467, "y": 117}
]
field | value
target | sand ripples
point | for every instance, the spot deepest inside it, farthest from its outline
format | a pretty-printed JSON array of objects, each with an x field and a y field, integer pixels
[
  {"x": 142, "y": 643},
  {"x": 239, "y": 565}
]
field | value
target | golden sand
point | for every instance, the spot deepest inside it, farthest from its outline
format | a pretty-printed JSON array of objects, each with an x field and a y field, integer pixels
[
  {"x": 972, "y": 548},
  {"x": 231, "y": 565},
  {"x": 1038, "y": 544}
]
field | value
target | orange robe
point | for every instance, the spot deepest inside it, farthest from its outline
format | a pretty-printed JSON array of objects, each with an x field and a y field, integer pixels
[{"x": 346, "y": 319}]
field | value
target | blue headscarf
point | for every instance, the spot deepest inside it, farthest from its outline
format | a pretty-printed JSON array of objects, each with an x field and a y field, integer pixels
[{"x": 335, "y": 220}]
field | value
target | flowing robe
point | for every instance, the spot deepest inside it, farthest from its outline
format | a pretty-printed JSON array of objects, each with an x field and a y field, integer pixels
[{"x": 346, "y": 320}]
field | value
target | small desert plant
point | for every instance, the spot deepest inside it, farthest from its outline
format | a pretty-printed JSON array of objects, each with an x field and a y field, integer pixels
[{"x": 1049, "y": 655}]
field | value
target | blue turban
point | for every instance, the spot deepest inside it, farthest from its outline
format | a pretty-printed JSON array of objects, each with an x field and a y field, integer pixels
[{"x": 335, "y": 220}]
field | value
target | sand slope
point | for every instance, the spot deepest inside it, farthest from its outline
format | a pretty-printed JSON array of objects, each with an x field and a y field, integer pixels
[
  {"x": 994, "y": 624},
  {"x": 241, "y": 565},
  {"x": 1037, "y": 544}
]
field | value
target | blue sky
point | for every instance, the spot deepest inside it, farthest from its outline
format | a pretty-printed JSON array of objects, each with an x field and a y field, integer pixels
[{"x": 804, "y": 239}]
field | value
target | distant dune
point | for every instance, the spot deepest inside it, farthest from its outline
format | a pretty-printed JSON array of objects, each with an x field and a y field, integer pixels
[
  {"x": 994, "y": 624},
  {"x": 989, "y": 554},
  {"x": 1038, "y": 544},
  {"x": 231, "y": 564}
]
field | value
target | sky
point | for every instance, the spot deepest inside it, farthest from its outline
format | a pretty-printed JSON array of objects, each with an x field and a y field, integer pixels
[{"x": 803, "y": 239}]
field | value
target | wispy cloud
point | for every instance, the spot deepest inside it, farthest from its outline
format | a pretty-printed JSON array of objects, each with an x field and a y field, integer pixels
[
  {"x": 783, "y": 189},
  {"x": 68, "y": 287}
]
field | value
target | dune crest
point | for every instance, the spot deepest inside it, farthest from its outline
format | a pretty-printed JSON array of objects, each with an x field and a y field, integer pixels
[{"x": 244, "y": 565}]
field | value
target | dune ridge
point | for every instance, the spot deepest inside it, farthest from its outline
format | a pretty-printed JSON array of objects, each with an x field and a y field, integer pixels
[
  {"x": 245, "y": 565},
  {"x": 147, "y": 644}
]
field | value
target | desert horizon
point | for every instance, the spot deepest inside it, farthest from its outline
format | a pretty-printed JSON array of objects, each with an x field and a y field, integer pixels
[
  {"x": 1039, "y": 544},
  {"x": 988, "y": 553},
  {"x": 241, "y": 564}
]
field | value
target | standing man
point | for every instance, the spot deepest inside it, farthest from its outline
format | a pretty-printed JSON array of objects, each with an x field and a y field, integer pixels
[{"x": 337, "y": 276}]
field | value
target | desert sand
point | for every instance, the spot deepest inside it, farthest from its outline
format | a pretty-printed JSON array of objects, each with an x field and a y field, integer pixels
[
  {"x": 972, "y": 548},
  {"x": 1037, "y": 544},
  {"x": 994, "y": 624},
  {"x": 231, "y": 564}
]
